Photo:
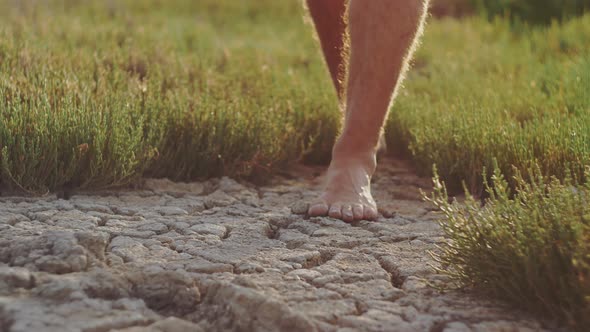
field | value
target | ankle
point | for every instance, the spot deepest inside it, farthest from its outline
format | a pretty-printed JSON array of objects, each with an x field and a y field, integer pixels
[{"x": 351, "y": 154}]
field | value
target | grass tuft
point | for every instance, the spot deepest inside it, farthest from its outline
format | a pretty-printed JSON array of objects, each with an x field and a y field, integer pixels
[{"x": 530, "y": 246}]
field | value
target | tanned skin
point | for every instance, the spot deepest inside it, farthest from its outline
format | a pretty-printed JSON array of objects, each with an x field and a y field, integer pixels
[{"x": 383, "y": 35}]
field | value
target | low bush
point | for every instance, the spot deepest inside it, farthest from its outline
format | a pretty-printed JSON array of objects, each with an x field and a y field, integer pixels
[
  {"x": 479, "y": 92},
  {"x": 530, "y": 246},
  {"x": 98, "y": 93}
]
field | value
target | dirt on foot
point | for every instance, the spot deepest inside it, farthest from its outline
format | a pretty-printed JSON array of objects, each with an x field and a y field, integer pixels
[{"x": 222, "y": 255}]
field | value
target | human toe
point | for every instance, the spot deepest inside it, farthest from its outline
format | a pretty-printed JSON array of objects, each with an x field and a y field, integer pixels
[
  {"x": 347, "y": 213},
  {"x": 335, "y": 211},
  {"x": 318, "y": 209},
  {"x": 370, "y": 213},
  {"x": 358, "y": 211}
]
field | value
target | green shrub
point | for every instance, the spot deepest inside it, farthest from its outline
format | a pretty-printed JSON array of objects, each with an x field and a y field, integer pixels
[
  {"x": 98, "y": 93},
  {"x": 479, "y": 93},
  {"x": 532, "y": 11},
  {"x": 532, "y": 250}
]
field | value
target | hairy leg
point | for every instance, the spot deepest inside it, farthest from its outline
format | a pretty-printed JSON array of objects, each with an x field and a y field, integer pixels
[
  {"x": 383, "y": 34},
  {"x": 328, "y": 18}
]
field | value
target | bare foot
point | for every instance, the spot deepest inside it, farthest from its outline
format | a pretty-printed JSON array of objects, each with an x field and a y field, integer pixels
[{"x": 347, "y": 195}]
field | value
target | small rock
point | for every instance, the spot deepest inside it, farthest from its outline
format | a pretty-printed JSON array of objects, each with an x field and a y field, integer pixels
[
  {"x": 212, "y": 229},
  {"x": 306, "y": 274},
  {"x": 393, "y": 294},
  {"x": 85, "y": 207},
  {"x": 245, "y": 282},
  {"x": 412, "y": 284},
  {"x": 417, "y": 242},
  {"x": 323, "y": 280},
  {"x": 299, "y": 207},
  {"x": 228, "y": 185},
  {"x": 12, "y": 218},
  {"x": 42, "y": 216},
  {"x": 156, "y": 227},
  {"x": 129, "y": 304},
  {"x": 171, "y": 324},
  {"x": 171, "y": 211},
  {"x": 218, "y": 199},
  {"x": 302, "y": 257},
  {"x": 14, "y": 277},
  {"x": 166, "y": 291},
  {"x": 248, "y": 267},
  {"x": 167, "y": 186},
  {"x": 125, "y": 210}
]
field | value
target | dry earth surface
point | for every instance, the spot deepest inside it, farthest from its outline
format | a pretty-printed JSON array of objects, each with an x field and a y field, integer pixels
[{"x": 221, "y": 255}]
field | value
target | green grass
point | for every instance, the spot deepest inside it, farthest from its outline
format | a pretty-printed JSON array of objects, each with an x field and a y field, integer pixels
[
  {"x": 98, "y": 93},
  {"x": 532, "y": 249},
  {"x": 480, "y": 92}
]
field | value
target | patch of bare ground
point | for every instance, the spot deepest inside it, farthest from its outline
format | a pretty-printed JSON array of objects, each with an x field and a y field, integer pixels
[{"x": 222, "y": 255}]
